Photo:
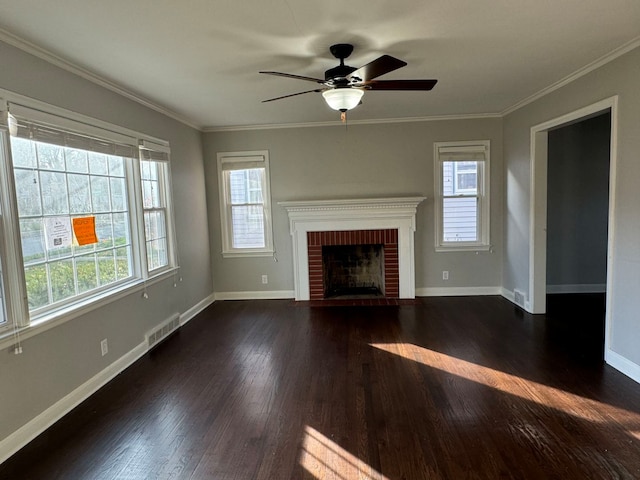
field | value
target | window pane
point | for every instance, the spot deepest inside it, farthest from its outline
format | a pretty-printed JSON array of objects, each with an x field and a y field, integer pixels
[
  {"x": 28, "y": 192},
  {"x": 118, "y": 194},
  {"x": 104, "y": 231},
  {"x": 155, "y": 233},
  {"x": 157, "y": 253},
  {"x": 121, "y": 233},
  {"x": 98, "y": 164},
  {"x": 116, "y": 166},
  {"x": 150, "y": 184},
  {"x": 106, "y": 267},
  {"x": 62, "y": 281},
  {"x": 87, "y": 273},
  {"x": 460, "y": 178},
  {"x": 460, "y": 219},
  {"x": 76, "y": 160},
  {"x": 50, "y": 157},
  {"x": 23, "y": 153},
  {"x": 247, "y": 223},
  {"x": 123, "y": 263},
  {"x": 37, "y": 286},
  {"x": 79, "y": 194},
  {"x": 100, "y": 195},
  {"x": 246, "y": 185},
  {"x": 32, "y": 236},
  {"x": 54, "y": 193}
]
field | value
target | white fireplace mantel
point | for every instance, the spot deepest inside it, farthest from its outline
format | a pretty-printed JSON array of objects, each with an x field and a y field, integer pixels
[{"x": 353, "y": 214}]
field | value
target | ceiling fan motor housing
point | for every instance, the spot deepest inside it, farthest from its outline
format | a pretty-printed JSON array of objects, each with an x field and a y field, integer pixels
[{"x": 339, "y": 74}]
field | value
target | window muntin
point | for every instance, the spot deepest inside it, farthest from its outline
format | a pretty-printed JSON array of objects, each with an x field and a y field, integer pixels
[
  {"x": 60, "y": 167},
  {"x": 245, "y": 203},
  {"x": 57, "y": 184},
  {"x": 462, "y": 200}
]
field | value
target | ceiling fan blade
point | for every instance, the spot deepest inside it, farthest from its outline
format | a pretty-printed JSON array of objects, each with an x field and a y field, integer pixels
[
  {"x": 298, "y": 77},
  {"x": 416, "y": 85},
  {"x": 379, "y": 66},
  {"x": 294, "y": 94}
]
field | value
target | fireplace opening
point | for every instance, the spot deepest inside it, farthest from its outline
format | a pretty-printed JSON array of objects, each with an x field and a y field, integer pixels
[{"x": 353, "y": 270}]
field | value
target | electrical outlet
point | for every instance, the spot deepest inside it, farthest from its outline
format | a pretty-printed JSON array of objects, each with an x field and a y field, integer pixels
[
  {"x": 265, "y": 279},
  {"x": 104, "y": 347},
  {"x": 445, "y": 274}
]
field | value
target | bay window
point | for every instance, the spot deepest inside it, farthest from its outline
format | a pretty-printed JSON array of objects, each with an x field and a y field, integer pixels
[{"x": 90, "y": 210}]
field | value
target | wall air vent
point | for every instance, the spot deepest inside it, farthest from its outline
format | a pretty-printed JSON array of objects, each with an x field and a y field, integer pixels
[
  {"x": 518, "y": 298},
  {"x": 162, "y": 331}
]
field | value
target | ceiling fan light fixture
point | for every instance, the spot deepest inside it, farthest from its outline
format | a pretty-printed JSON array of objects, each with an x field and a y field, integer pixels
[{"x": 343, "y": 99}]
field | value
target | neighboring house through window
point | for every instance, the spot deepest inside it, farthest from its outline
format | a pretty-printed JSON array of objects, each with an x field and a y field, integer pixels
[
  {"x": 462, "y": 195},
  {"x": 245, "y": 207}
]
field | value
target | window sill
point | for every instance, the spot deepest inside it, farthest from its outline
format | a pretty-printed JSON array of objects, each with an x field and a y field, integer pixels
[
  {"x": 248, "y": 253},
  {"x": 464, "y": 248},
  {"x": 53, "y": 319}
]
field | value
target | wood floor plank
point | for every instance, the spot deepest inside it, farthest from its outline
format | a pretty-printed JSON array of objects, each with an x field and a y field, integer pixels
[{"x": 442, "y": 388}]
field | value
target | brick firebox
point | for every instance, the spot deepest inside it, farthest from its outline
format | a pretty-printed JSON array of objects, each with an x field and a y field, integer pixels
[{"x": 386, "y": 237}]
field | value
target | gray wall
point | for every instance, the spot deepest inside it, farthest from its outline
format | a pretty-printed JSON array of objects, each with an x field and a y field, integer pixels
[
  {"x": 578, "y": 204},
  {"x": 357, "y": 161},
  {"x": 57, "y": 361},
  {"x": 620, "y": 77}
]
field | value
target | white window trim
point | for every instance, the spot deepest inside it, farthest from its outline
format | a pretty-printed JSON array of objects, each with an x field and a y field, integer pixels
[
  {"x": 249, "y": 158},
  {"x": 483, "y": 243},
  {"x": 18, "y": 317}
]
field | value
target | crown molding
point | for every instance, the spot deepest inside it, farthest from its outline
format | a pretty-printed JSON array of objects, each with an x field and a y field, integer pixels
[
  {"x": 64, "y": 64},
  {"x": 52, "y": 58},
  {"x": 609, "y": 57},
  {"x": 337, "y": 123}
]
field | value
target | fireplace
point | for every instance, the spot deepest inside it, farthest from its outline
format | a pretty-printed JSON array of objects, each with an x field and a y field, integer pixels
[
  {"x": 358, "y": 273},
  {"x": 389, "y": 222},
  {"x": 353, "y": 270}
]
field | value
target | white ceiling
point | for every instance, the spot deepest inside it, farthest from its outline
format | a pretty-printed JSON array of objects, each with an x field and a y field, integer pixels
[{"x": 200, "y": 58}]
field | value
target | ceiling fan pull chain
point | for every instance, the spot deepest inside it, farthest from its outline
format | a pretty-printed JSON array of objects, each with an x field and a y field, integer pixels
[{"x": 343, "y": 117}]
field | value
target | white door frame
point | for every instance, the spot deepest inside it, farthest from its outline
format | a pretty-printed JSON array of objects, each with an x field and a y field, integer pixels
[{"x": 538, "y": 203}]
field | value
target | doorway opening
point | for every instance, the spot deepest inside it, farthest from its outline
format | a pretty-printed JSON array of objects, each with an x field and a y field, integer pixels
[
  {"x": 578, "y": 163},
  {"x": 572, "y": 195}
]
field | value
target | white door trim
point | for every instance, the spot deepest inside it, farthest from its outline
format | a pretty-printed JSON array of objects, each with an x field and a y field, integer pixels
[{"x": 538, "y": 204}]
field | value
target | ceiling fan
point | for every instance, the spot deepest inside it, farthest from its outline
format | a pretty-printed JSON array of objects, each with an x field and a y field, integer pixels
[{"x": 343, "y": 86}]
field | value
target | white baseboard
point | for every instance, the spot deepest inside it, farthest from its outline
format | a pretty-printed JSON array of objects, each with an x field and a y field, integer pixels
[
  {"x": 456, "y": 291},
  {"x": 624, "y": 365},
  {"x": 196, "y": 309},
  {"x": 55, "y": 412},
  {"x": 260, "y": 295},
  {"x": 36, "y": 426},
  {"x": 584, "y": 288}
]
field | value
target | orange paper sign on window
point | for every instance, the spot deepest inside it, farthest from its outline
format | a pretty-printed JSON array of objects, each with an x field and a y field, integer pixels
[{"x": 84, "y": 230}]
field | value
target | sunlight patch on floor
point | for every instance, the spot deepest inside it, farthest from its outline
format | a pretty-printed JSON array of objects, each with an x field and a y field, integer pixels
[
  {"x": 511, "y": 384},
  {"x": 324, "y": 459}
]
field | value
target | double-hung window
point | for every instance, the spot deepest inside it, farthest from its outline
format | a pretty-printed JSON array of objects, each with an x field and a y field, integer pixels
[
  {"x": 154, "y": 171},
  {"x": 462, "y": 195},
  {"x": 245, "y": 207},
  {"x": 91, "y": 209}
]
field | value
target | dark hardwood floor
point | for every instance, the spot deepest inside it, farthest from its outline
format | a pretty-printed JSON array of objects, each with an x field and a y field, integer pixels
[{"x": 447, "y": 388}]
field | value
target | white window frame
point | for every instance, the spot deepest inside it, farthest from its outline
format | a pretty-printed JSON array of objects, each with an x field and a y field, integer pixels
[
  {"x": 158, "y": 154},
  {"x": 228, "y": 161},
  {"x": 15, "y": 293},
  {"x": 459, "y": 151}
]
